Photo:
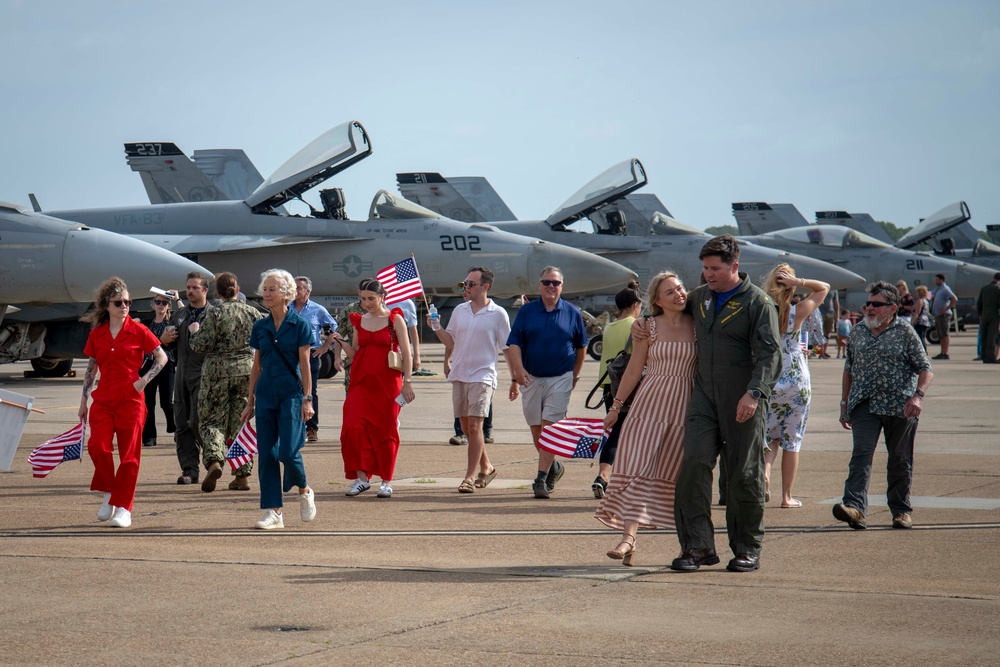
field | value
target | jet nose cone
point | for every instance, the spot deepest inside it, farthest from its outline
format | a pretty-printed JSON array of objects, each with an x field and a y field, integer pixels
[
  {"x": 90, "y": 256},
  {"x": 969, "y": 279},
  {"x": 582, "y": 271},
  {"x": 815, "y": 269}
]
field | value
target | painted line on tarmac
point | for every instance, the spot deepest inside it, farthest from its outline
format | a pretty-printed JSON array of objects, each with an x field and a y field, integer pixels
[{"x": 937, "y": 502}]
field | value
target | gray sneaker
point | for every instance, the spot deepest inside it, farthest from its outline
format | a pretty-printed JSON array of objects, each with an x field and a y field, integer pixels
[
  {"x": 488, "y": 437},
  {"x": 458, "y": 440},
  {"x": 540, "y": 488},
  {"x": 556, "y": 471}
]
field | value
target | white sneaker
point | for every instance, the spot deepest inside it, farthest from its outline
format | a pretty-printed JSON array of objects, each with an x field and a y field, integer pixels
[
  {"x": 359, "y": 486},
  {"x": 270, "y": 521},
  {"x": 106, "y": 510},
  {"x": 384, "y": 491},
  {"x": 121, "y": 519},
  {"x": 307, "y": 505}
]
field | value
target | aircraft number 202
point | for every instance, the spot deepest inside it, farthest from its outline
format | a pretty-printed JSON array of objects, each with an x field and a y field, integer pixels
[{"x": 460, "y": 242}]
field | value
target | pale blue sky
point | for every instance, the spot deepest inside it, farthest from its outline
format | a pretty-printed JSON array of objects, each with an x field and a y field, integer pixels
[{"x": 889, "y": 108}]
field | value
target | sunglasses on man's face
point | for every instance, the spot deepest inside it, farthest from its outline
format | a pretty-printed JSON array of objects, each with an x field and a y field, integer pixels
[
  {"x": 875, "y": 304},
  {"x": 551, "y": 283},
  {"x": 158, "y": 302},
  {"x": 468, "y": 284},
  {"x": 117, "y": 303}
]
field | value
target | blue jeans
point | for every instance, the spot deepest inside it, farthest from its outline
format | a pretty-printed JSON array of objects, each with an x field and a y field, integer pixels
[
  {"x": 900, "y": 433},
  {"x": 280, "y": 437},
  {"x": 314, "y": 364}
]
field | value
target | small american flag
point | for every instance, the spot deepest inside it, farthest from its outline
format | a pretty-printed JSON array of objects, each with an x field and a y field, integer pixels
[
  {"x": 401, "y": 281},
  {"x": 573, "y": 438},
  {"x": 66, "y": 447},
  {"x": 244, "y": 447}
]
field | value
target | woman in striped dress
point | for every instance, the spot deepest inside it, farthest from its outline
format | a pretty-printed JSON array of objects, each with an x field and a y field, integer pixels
[{"x": 651, "y": 447}]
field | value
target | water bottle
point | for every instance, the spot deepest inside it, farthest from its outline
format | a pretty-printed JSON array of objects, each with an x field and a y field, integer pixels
[{"x": 435, "y": 319}]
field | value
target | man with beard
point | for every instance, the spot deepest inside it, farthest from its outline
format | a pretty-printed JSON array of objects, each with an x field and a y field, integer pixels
[{"x": 885, "y": 376}]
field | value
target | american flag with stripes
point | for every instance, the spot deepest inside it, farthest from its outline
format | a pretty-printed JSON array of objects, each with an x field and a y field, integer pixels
[
  {"x": 401, "y": 281},
  {"x": 573, "y": 438},
  {"x": 244, "y": 447},
  {"x": 66, "y": 447}
]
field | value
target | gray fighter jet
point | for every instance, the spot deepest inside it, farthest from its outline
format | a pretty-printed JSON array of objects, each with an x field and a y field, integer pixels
[
  {"x": 625, "y": 226},
  {"x": 951, "y": 235},
  {"x": 48, "y": 261},
  {"x": 857, "y": 252},
  {"x": 252, "y": 235}
]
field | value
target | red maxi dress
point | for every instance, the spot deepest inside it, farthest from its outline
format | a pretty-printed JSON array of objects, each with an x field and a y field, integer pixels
[{"x": 369, "y": 437}]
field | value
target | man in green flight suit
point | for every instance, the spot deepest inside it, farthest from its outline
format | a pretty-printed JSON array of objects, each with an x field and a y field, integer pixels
[{"x": 739, "y": 360}]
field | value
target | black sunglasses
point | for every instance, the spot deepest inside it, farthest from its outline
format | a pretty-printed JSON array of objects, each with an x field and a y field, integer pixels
[
  {"x": 468, "y": 283},
  {"x": 118, "y": 302},
  {"x": 160, "y": 302},
  {"x": 551, "y": 283},
  {"x": 875, "y": 304}
]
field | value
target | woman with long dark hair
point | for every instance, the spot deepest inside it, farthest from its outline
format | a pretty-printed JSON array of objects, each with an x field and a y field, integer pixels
[{"x": 163, "y": 384}]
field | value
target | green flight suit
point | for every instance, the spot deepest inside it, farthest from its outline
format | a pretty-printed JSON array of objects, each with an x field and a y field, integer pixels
[{"x": 738, "y": 350}]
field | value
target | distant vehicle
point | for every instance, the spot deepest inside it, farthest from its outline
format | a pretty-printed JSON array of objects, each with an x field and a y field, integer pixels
[
  {"x": 44, "y": 261},
  {"x": 856, "y": 252}
]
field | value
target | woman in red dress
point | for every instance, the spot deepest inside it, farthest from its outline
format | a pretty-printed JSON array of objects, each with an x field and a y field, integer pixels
[
  {"x": 117, "y": 346},
  {"x": 369, "y": 435}
]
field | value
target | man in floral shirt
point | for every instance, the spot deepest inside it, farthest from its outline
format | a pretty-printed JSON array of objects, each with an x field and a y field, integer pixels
[{"x": 885, "y": 376}]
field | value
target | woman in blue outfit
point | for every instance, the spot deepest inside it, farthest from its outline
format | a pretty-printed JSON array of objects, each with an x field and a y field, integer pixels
[{"x": 281, "y": 359}]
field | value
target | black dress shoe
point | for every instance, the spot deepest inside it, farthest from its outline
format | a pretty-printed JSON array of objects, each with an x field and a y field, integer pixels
[
  {"x": 692, "y": 559},
  {"x": 187, "y": 478},
  {"x": 744, "y": 563}
]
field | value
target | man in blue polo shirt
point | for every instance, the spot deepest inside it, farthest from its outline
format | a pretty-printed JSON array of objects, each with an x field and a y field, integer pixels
[
  {"x": 548, "y": 343},
  {"x": 317, "y": 316}
]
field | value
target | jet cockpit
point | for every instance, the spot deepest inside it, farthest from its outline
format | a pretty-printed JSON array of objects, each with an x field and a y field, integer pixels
[{"x": 832, "y": 236}]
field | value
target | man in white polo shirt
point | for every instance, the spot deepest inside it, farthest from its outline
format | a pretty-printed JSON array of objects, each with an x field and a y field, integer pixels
[{"x": 478, "y": 329}]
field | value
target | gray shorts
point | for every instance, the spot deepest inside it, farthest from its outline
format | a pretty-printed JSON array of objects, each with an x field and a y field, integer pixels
[
  {"x": 942, "y": 323},
  {"x": 546, "y": 398},
  {"x": 471, "y": 399}
]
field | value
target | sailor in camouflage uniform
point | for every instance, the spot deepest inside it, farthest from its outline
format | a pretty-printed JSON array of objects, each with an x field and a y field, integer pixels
[
  {"x": 224, "y": 339},
  {"x": 345, "y": 330}
]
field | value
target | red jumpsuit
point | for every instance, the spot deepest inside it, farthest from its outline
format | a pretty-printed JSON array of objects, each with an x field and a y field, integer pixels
[{"x": 118, "y": 409}]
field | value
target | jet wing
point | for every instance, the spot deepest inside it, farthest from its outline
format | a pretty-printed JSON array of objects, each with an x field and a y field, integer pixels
[
  {"x": 204, "y": 243},
  {"x": 938, "y": 223},
  {"x": 328, "y": 154},
  {"x": 618, "y": 181}
]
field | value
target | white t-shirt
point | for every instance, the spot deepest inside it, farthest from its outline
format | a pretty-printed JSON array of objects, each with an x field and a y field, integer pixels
[{"x": 478, "y": 339}]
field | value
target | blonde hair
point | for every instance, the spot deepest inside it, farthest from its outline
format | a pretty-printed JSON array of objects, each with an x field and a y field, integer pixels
[
  {"x": 922, "y": 292},
  {"x": 286, "y": 284},
  {"x": 782, "y": 294},
  {"x": 654, "y": 288}
]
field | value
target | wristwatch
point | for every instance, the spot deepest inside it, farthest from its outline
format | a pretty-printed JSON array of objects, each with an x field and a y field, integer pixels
[{"x": 755, "y": 393}]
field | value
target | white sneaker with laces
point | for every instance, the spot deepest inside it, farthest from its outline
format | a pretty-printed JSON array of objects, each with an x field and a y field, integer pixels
[
  {"x": 307, "y": 505},
  {"x": 384, "y": 491},
  {"x": 122, "y": 518},
  {"x": 270, "y": 521},
  {"x": 359, "y": 486},
  {"x": 106, "y": 510}
]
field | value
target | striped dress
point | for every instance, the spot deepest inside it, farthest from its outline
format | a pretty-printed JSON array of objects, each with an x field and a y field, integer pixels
[{"x": 651, "y": 447}]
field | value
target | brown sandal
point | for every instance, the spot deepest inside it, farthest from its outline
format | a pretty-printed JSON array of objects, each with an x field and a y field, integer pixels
[
  {"x": 483, "y": 480},
  {"x": 466, "y": 487}
]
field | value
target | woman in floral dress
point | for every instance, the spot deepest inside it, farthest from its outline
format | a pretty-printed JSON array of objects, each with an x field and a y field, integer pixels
[{"x": 788, "y": 409}]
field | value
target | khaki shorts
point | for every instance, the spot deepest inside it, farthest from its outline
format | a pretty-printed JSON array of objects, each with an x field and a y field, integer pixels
[
  {"x": 942, "y": 323},
  {"x": 471, "y": 399},
  {"x": 546, "y": 399}
]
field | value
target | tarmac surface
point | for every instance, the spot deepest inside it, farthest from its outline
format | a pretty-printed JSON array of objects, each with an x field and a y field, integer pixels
[{"x": 433, "y": 577}]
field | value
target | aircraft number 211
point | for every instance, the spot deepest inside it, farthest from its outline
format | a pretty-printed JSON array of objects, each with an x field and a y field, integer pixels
[{"x": 460, "y": 242}]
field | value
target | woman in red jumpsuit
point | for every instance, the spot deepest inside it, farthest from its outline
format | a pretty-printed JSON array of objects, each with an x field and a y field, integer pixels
[
  {"x": 116, "y": 347},
  {"x": 369, "y": 435}
]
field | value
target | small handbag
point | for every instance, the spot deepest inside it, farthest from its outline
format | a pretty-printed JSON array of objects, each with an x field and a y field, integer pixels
[{"x": 395, "y": 358}]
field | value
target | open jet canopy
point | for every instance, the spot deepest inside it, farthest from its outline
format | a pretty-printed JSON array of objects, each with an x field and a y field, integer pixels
[
  {"x": 618, "y": 181},
  {"x": 938, "y": 223},
  {"x": 329, "y": 154},
  {"x": 830, "y": 236}
]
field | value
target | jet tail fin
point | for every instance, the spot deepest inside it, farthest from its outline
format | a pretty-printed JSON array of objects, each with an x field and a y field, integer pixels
[
  {"x": 859, "y": 222},
  {"x": 34, "y": 202},
  {"x": 168, "y": 175},
  {"x": 230, "y": 169},
  {"x": 466, "y": 198},
  {"x": 760, "y": 218}
]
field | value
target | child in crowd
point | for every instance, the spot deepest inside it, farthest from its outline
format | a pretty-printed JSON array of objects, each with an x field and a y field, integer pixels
[{"x": 843, "y": 331}]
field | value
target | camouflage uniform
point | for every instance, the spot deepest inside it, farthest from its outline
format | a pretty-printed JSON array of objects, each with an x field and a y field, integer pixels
[
  {"x": 346, "y": 329},
  {"x": 224, "y": 339}
]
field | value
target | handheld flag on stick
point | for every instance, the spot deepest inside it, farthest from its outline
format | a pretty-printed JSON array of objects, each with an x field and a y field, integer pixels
[
  {"x": 244, "y": 447},
  {"x": 49, "y": 454},
  {"x": 401, "y": 281},
  {"x": 573, "y": 438}
]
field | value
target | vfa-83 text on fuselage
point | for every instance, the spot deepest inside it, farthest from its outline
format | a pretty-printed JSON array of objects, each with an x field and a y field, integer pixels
[
  {"x": 252, "y": 235},
  {"x": 604, "y": 217},
  {"x": 861, "y": 254}
]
